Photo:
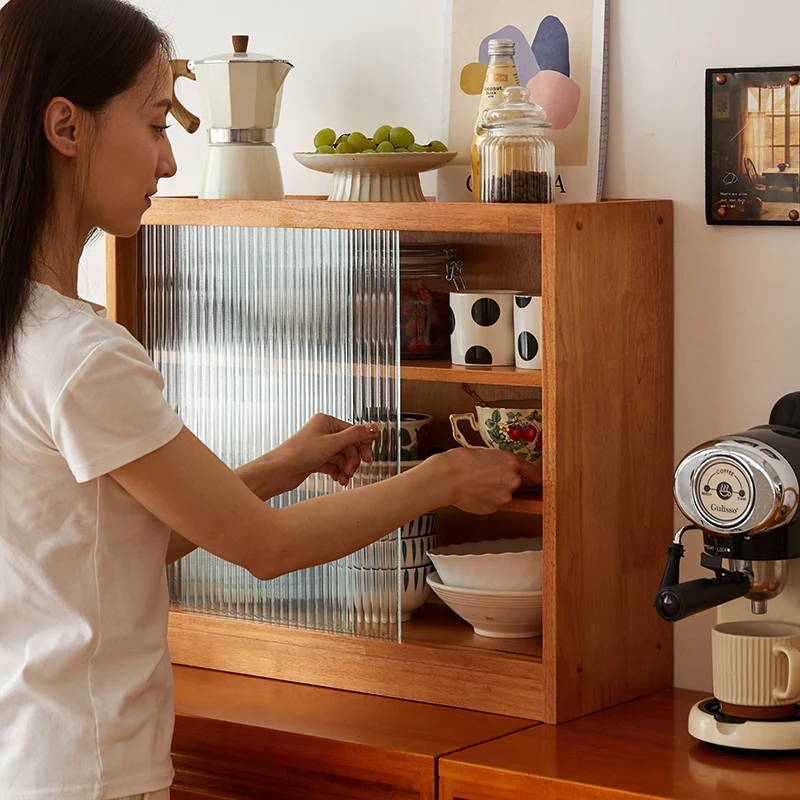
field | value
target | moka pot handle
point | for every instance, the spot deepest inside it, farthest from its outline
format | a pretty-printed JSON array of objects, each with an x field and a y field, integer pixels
[{"x": 180, "y": 69}]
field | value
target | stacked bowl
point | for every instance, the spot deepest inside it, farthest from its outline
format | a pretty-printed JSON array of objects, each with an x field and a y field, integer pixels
[
  {"x": 375, "y": 571},
  {"x": 418, "y": 537},
  {"x": 496, "y": 586}
]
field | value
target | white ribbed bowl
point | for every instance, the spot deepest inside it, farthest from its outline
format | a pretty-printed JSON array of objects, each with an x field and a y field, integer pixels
[
  {"x": 498, "y": 615},
  {"x": 375, "y": 177},
  {"x": 503, "y": 565}
]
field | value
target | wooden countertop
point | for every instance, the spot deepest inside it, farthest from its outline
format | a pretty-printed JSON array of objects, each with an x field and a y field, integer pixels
[
  {"x": 264, "y": 738},
  {"x": 639, "y": 749}
]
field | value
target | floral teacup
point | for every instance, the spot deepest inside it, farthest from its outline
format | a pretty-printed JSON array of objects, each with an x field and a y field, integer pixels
[{"x": 516, "y": 430}]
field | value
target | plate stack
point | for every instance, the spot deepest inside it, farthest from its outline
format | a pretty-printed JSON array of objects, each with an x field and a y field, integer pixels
[{"x": 496, "y": 586}]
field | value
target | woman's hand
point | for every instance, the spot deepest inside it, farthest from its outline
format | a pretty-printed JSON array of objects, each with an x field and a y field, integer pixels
[
  {"x": 325, "y": 445},
  {"x": 485, "y": 480}
]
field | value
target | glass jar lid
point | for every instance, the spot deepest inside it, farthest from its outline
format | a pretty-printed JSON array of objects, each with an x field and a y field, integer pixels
[
  {"x": 516, "y": 109},
  {"x": 430, "y": 260},
  {"x": 239, "y": 55}
]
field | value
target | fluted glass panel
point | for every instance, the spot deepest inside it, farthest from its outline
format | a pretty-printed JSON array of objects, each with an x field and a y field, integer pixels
[{"x": 256, "y": 330}]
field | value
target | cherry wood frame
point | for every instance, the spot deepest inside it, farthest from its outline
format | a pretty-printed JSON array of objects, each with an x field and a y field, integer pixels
[{"x": 605, "y": 272}]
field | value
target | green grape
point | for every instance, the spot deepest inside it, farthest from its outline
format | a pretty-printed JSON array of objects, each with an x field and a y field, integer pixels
[
  {"x": 401, "y": 137},
  {"x": 357, "y": 141},
  {"x": 382, "y": 134},
  {"x": 416, "y": 148},
  {"x": 401, "y": 149},
  {"x": 370, "y": 148},
  {"x": 326, "y": 136},
  {"x": 438, "y": 147},
  {"x": 326, "y": 148},
  {"x": 386, "y": 147},
  {"x": 342, "y": 138},
  {"x": 344, "y": 147}
]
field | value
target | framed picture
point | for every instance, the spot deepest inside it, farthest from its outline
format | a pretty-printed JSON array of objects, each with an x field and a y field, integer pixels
[
  {"x": 753, "y": 146},
  {"x": 561, "y": 56}
]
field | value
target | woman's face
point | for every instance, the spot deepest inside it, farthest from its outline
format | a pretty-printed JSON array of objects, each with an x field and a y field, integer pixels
[{"x": 130, "y": 154}]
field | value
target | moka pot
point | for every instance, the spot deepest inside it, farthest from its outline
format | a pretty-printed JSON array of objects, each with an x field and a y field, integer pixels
[{"x": 240, "y": 99}]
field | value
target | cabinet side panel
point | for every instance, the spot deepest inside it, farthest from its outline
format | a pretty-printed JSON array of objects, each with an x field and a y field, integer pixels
[
  {"x": 608, "y": 502},
  {"x": 122, "y": 267}
]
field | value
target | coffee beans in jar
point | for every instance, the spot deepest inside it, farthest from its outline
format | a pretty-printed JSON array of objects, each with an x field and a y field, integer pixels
[{"x": 520, "y": 186}]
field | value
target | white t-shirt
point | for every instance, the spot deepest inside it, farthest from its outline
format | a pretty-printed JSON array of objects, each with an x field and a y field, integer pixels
[{"x": 86, "y": 695}]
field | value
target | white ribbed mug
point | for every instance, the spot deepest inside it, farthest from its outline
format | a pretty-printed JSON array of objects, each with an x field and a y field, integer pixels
[{"x": 756, "y": 664}]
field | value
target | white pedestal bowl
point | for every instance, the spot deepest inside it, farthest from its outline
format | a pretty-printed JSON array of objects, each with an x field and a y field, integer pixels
[{"x": 375, "y": 177}]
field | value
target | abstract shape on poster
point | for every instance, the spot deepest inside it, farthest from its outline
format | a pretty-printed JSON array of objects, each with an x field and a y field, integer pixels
[
  {"x": 527, "y": 65},
  {"x": 543, "y": 67},
  {"x": 551, "y": 46},
  {"x": 557, "y": 94}
]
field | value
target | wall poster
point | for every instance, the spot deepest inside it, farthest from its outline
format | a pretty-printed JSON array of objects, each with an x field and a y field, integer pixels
[{"x": 561, "y": 56}]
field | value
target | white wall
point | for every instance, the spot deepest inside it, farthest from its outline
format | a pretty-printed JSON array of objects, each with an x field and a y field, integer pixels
[{"x": 737, "y": 325}]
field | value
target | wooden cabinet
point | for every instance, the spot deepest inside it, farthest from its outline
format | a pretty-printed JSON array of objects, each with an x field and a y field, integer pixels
[
  {"x": 605, "y": 274},
  {"x": 242, "y": 737},
  {"x": 641, "y": 749}
]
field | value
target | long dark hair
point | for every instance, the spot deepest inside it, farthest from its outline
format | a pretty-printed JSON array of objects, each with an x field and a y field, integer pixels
[{"x": 88, "y": 51}]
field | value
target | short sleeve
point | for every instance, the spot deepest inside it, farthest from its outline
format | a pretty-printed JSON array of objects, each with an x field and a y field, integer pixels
[{"x": 112, "y": 410}]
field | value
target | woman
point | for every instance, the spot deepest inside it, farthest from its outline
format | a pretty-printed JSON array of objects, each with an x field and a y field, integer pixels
[{"x": 100, "y": 483}]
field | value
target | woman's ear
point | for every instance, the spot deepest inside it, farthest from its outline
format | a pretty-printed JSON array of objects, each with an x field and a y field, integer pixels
[{"x": 62, "y": 120}]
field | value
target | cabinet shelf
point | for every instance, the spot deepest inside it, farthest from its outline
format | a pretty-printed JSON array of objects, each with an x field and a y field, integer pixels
[
  {"x": 425, "y": 371},
  {"x": 306, "y": 213},
  {"x": 435, "y": 624},
  {"x": 526, "y": 503},
  {"x": 441, "y": 654},
  {"x": 445, "y": 372}
]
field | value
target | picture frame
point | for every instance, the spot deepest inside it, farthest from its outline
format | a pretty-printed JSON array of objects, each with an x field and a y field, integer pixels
[{"x": 753, "y": 146}]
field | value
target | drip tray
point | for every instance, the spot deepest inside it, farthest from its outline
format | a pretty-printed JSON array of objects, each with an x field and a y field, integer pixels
[{"x": 713, "y": 708}]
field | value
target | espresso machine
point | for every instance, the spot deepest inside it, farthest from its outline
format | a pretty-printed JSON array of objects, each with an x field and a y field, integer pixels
[{"x": 740, "y": 492}]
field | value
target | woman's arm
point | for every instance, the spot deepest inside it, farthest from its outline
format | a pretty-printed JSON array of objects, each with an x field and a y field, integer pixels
[
  {"x": 178, "y": 547},
  {"x": 325, "y": 445},
  {"x": 187, "y": 487},
  {"x": 265, "y": 477}
]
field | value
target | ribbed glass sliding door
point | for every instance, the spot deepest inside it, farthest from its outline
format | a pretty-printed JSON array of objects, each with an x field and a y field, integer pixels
[{"x": 256, "y": 330}]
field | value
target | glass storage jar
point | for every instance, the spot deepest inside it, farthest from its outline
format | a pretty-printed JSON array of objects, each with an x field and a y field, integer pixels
[
  {"x": 518, "y": 161},
  {"x": 428, "y": 273}
]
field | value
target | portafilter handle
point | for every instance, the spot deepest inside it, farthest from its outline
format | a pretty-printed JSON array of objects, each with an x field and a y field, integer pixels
[{"x": 676, "y": 600}]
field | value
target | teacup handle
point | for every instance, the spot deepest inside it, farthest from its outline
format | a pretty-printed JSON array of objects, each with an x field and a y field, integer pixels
[
  {"x": 457, "y": 435},
  {"x": 792, "y": 690},
  {"x": 180, "y": 69}
]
